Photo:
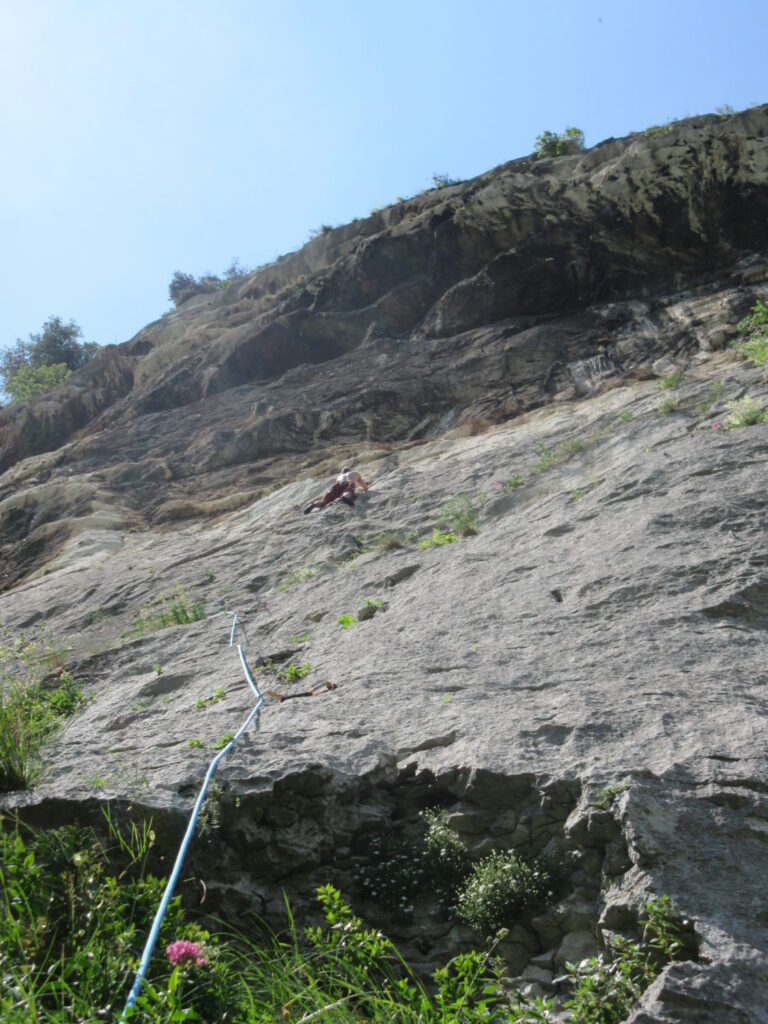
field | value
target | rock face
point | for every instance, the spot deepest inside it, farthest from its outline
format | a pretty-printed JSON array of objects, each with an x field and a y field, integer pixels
[{"x": 582, "y": 677}]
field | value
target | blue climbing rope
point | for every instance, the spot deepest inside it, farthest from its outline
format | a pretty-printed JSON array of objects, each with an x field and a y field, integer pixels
[{"x": 174, "y": 876}]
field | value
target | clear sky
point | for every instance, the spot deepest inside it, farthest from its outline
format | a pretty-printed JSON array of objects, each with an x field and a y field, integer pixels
[{"x": 144, "y": 136}]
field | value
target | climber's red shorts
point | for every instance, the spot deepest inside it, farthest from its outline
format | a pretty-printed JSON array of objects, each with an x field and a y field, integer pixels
[{"x": 337, "y": 491}]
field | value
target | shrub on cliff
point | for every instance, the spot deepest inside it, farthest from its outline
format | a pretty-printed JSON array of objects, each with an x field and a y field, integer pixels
[
  {"x": 33, "y": 381},
  {"x": 30, "y": 368},
  {"x": 753, "y": 345},
  {"x": 571, "y": 140},
  {"x": 184, "y": 286}
]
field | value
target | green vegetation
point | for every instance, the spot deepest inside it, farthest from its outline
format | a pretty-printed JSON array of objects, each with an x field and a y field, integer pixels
[
  {"x": 745, "y": 412},
  {"x": 174, "y": 609},
  {"x": 754, "y": 328},
  {"x": 669, "y": 404},
  {"x": 206, "y": 702},
  {"x": 549, "y": 459},
  {"x": 77, "y": 909},
  {"x": 670, "y": 381},
  {"x": 459, "y": 515},
  {"x": 500, "y": 888},
  {"x": 184, "y": 286},
  {"x": 571, "y": 140},
  {"x": 514, "y": 481},
  {"x": 581, "y": 492},
  {"x": 293, "y": 673},
  {"x": 298, "y": 577},
  {"x": 442, "y": 180},
  {"x": 487, "y": 895},
  {"x": 34, "y": 381},
  {"x": 606, "y": 796},
  {"x": 626, "y": 416},
  {"x": 196, "y": 744},
  {"x": 606, "y": 992},
  {"x": 346, "y": 621},
  {"x": 437, "y": 540},
  {"x": 157, "y": 668},
  {"x": 389, "y": 541},
  {"x": 223, "y": 741},
  {"x": 659, "y": 129},
  {"x": 30, "y": 713},
  {"x": 30, "y": 368},
  {"x": 303, "y": 638}
]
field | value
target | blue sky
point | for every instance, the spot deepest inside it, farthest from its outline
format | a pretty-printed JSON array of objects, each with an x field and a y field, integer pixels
[{"x": 145, "y": 136}]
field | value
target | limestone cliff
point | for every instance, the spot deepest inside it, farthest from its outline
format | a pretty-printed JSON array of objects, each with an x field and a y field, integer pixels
[{"x": 583, "y": 675}]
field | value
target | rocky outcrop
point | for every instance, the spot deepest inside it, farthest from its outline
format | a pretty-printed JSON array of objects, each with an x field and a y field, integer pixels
[{"x": 582, "y": 677}]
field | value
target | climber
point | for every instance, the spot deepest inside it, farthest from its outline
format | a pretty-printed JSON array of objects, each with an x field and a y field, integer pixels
[{"x": 343, "y": 487}]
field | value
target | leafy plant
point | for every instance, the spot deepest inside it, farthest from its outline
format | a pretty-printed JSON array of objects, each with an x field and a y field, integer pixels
[
  {"x": 157, "y": 668},
  {"x": 514, "y": 481},
  {"x": 346, "y": 621},
  {"x": 29, "y": 714},
  {"x": 605, "y": 992},
  {"x": 34, "y": 381},
  {"x": 223, "y": 741},
  {"x": 606, "y": 796},
  {"x": 571, "y": 140},
  {"x": 459, "y": 515},
  {"x": 173, "y": 609},
  {"x": 626, "y": 416},
  {"x": 30, "y": 368},
  {"x": 441, "y": 180},
  {"x": 298, "y": 577},
  {"x": 445, "y": 858},
  {"x": 438, "y": 540},
  {"x": 293, "y": 673},
  {"x": 389, "y": 541},
  {"x": 670, "y": 381},
  {"x": 205, "y": 702},
  {"x": 754, "y": 328},
  {"x": 196, "y": 743},
  {"x": 304, "y": 638},
  {"x": 669, "y": 404},
  {"x": 500, "y": 888},
  {"x": 745, "y": 412}
]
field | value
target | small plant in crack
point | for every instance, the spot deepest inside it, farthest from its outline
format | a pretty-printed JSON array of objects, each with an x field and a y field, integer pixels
[
  {"x": 669, "y": 404},
  {"x": 196, "y": 743},
  {"x": 173, "y": 609},
  {"x": 754, "y": 330},
  {"x": 346, "y": 621},
  {"x": 303, "y": 638},
  {"x": 206, "y": 702},
  {"x": 670, "y": 381},
  {"x": 745, "y": 412},
  {"x": 459, "y": 515},
  {"x": 223, "y": 741},
  {"x": 292, "y": 673},
  {"x": 438, "y": 540},
  {"x": 514, "y": 481},
  {"x": 607, "y": 987},
  {"x": 606, "y": 796},
  {"x": 209, "y": 818},
  {"x": 298, "y": 577}
]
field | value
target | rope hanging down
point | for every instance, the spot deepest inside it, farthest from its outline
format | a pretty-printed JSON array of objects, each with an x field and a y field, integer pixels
[{"x": 174, "y": 876}]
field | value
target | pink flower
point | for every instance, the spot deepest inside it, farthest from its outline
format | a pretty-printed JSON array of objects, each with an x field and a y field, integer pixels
[
  {"x": 184, "y": 952},
  {"x": 716, "y": 425}
]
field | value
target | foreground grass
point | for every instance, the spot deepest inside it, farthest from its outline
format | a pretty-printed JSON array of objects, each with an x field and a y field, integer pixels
[
  {"x": 30, "y": 713},
  {"x": 76, "y": 910}
]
